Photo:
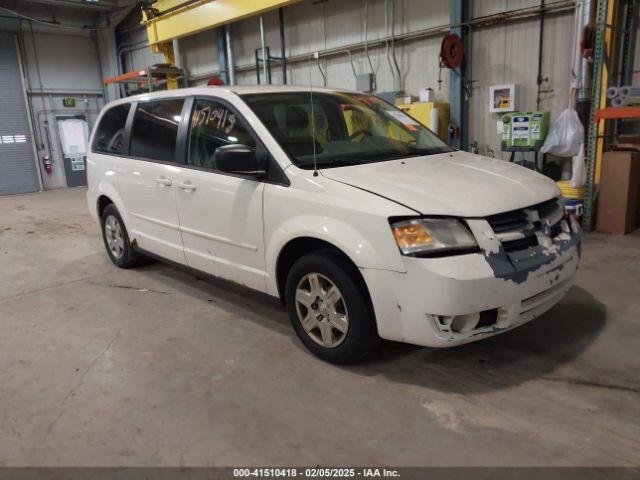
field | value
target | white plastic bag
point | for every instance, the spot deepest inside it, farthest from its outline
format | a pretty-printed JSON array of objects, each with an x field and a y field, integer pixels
[
  {"x": 565, "y": 136},
  {"x": 578, "y": 170}
]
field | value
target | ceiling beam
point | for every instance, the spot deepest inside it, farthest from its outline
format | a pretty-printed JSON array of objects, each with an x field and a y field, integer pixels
[
  {"x": 196, "y": 16},
  {"x": 77, "y": 4}
]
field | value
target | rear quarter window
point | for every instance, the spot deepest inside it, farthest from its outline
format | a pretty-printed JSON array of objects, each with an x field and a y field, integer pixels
[
  {"x": 154, "y": 132},
  {"x": 109, "y": 136}
]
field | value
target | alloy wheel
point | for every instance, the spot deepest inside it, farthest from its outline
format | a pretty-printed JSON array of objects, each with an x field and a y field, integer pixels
[
  {"x": 113, "y": 234},
  {"x": 322, "y": 310}
]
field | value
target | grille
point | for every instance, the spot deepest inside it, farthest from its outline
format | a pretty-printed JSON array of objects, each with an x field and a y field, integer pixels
[
  {"x": 516, "y": 229},
  {"x": 504, "y": 222},
  {"x": 520, "y": 244},
  {"x": 547, "y": 208}
]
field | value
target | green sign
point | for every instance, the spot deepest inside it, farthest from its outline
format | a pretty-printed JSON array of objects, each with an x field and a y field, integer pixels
[
  {"x": 77, "y": 164},
  {"x": 69, "y": 102}
]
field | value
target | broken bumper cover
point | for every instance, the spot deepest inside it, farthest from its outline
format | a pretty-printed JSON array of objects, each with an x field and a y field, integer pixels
[{"x": 410, "y": 307}]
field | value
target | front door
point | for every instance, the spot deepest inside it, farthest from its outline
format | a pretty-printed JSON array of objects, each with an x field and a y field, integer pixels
[
  {"x": 220, "y": 214},
  {"x": 146, "y": 178}
]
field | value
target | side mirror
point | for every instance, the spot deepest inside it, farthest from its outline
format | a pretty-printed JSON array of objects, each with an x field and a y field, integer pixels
[{"x": 238, "y": 159}]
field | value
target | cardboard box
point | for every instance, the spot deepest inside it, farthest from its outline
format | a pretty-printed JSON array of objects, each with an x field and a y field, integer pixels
[{"x": 619, "y": 197}]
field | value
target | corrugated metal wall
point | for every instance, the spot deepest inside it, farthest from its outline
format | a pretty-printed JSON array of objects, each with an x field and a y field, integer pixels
[
  {"x": 312, "y": 26},
  {"x": 508, "y": 53},
  {"x": 504, "y": 53},
  {"x": 17, "y": 169}
]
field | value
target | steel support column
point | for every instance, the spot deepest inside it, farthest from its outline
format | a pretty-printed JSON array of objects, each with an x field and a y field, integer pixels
[
  {"x": 629, "y": 42},
  {"x": 460, "y": 14},
  {"x": 169, "y": 57},
  {"x": 594, "y": 125}
]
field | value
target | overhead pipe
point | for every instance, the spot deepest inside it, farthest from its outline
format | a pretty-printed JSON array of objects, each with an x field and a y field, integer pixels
[
  {"x": 230, "y": 59},
  {"x": 393, "y": 45},
  {"x": 22, "y": 51},
  {"x": 576, "y": 58},
  {"x": 126, "y": 48},
  {"x": 366, "y": 44},
  {"x": 105, "y": 90},
  {"x": 122, "y": 50},
  {"x": 390, "y": 21},
  {"x": 264, "y": 50},
  {"x": 26, "y": 84},
  {"x": 177, "y": 57},
  {"x": 539, "y": 78},
  {"x": 37, "y": 63},
  {"x": 581, "y": 78},
  {"x": 588, "y": 14},
  {"x": 324, "y": 76},
  {"x": 282, "y": 45},
  {"x": 353, "y": 68},
  {"x": 386, "y": 33},
  {"x": 55, "y": 91}
]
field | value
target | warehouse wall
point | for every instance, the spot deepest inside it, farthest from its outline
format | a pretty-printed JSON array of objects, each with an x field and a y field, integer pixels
[
  {"x": 334, "y": 24},
  {"x": 503, "y": 53},
  {"x": 508, "y": 53},
  {"x": 312, "y": 26},
  {"x": 58, "y": 64}
]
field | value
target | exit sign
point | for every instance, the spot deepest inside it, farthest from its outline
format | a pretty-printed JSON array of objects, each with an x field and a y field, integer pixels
[{"x": 69, "y": 102}]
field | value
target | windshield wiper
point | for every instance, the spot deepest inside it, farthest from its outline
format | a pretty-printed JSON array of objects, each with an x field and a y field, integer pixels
[
  {"x": 342, "y": 162},
  {"x": 417, "y": 153},
  {"x": 364, "y": 159},
  {"x": 346, "y": 161}
]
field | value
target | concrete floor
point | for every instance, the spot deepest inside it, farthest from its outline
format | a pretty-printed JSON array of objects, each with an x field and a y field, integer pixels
[{"x": 101, "y": 366}]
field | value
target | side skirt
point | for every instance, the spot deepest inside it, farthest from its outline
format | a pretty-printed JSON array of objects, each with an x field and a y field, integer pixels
[{"x": 218, "y": 281}]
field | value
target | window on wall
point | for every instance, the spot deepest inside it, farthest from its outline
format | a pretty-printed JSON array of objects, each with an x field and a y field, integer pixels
[
  {"x": 214, "y": 125},
  {"x": 155, "y": 130},
  {"x": 109, "y": 137}
]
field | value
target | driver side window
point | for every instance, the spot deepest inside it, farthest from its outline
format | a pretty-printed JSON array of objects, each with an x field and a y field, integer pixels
[{"x": 214, "y": 125}]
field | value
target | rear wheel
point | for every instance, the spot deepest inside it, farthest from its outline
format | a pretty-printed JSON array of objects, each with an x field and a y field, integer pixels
[
  {"x": 116, "y": 239},
  {"x": 329, "y": 308}
]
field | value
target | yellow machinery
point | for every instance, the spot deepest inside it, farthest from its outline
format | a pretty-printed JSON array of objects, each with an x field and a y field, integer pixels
[
  {"x": 422, "y": 111},
  {"x": 167, "y": 20}
]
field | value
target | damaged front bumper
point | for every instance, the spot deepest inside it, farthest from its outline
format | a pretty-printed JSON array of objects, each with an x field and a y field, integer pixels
[{"x": 441, "y": 302}]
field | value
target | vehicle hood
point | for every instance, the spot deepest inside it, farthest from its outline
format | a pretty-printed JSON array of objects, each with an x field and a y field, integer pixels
[{"x": 458, "y": 184}]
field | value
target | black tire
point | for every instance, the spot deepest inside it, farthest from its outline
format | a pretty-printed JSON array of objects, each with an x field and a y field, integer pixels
[
  {"x": 128, "y": 257},
  {"x": 361, "y": 335}
]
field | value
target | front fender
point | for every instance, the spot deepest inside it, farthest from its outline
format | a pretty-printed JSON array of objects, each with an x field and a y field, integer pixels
[{"x": 366, "y": 248}]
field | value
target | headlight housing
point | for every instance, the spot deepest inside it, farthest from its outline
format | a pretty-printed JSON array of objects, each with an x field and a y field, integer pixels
[{"x": 432, "y": 236}]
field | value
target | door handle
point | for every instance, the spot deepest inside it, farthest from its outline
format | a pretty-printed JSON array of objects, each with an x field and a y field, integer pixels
[
  {"x": 187, "y": 186},
  {"x": 164, "y": 181}
]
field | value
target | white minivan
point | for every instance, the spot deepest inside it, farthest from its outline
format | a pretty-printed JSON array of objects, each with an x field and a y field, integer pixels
[{"x": 361, "y": 220}]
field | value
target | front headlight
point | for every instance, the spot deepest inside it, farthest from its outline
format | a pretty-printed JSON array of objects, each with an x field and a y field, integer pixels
[{"x": 425, "y": 236}]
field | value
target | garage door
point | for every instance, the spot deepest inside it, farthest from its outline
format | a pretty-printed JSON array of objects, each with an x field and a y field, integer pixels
[{"x": 17, "y": 169}]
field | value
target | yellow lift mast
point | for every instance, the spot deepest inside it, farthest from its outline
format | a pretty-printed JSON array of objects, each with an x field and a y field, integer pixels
[{"x": 167, "y": 20}]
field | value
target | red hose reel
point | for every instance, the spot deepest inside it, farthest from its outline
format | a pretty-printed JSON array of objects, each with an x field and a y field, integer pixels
[{"x": 451, "y": 51}]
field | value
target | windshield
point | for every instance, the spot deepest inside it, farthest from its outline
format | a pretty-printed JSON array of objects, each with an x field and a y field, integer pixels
[{"x": 347, "y": 128}]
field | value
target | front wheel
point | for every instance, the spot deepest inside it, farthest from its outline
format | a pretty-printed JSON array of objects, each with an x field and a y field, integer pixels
[{"x": 329, "y": 308}]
